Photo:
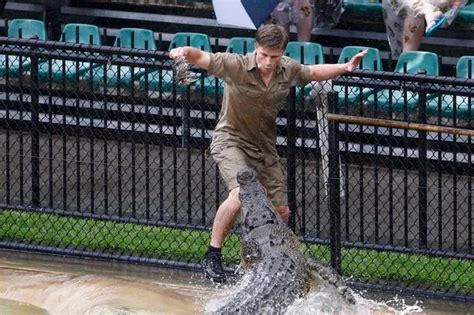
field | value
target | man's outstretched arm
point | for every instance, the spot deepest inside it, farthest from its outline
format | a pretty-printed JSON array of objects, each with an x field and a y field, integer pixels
[{"x": 330, "y": 71}]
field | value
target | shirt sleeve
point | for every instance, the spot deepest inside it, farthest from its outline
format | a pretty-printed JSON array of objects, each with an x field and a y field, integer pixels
[
  {"x": 225, "y": 66},
  {"x": 299, "y": 74},
  {"x": 304, "y": 75}
]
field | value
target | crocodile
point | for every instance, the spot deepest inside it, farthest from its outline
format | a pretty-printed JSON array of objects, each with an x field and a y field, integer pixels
[{"x": 276, "y": 271}]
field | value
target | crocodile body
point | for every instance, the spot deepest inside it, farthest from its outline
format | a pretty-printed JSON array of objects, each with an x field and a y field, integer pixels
[{"x": 277, "y": 272}]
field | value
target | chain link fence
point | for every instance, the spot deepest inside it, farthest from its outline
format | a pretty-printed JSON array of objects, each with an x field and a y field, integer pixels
[{"x": 104, "y": 155}]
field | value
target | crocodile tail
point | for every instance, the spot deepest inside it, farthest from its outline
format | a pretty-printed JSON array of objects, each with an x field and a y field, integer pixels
[{"x": 330, "y": 275}]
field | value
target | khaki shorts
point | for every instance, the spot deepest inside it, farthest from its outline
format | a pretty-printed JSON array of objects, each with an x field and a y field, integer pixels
[{"x": 231, "y": 159}]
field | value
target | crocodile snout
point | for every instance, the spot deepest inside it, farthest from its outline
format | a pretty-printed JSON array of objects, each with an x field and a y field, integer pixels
[{"x": 246, "y": 175}]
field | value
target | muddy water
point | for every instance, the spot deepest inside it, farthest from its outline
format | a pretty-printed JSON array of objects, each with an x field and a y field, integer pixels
[
  {"x": 44, "y": 284},
  {"x": 32, "y": 285}
]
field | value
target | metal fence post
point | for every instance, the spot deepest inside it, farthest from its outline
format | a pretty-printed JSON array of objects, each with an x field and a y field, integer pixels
[
  {"x": 291, "y": 156},
  {"x": 334, "y": 194},
  {"x": 35, "y": 186},
  {"x": 422, "y": 171}
]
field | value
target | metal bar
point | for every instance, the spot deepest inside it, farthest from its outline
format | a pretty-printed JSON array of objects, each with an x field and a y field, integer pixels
[
  {"x": 34, "y": 90},
  {"x": 175, "y": 164},
  {"x": 147, "y": 103},
  {"x": 78, "y": 163},
  {"x": 92, "y": 161},
  {"x": 7, "y": 140},
  {"x": 54, "y": 45},
  {"x": 106, "y": 157},
  {"x": 291, "y": 156},
  {"x": 361, "y": 193},
  {"x": 203, "y": 154},
  {"x": 303, "y": 173},
  {"x": 161, "y": 161},
  {"x": 399, "y": 124},
  {"x": 334, "y": 188},
  {"x": 64, "y": 165},
  {"x": 422, "y": 175},
  {"x": 470, "y": 204},
  {"x": 375, "y": 179},
  {"x": 8, "y": 166},
  {"x": 188, "y": 175},
  {"x": 50, "y": 143}
]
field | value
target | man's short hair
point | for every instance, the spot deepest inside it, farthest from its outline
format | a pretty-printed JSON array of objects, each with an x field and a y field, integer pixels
[{"x": 272, "y": 36}]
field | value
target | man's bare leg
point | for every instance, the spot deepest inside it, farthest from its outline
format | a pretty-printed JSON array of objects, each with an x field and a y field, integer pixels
[
  {"x": 225, "y": 218},
  {"x": 223, "y": 222}
]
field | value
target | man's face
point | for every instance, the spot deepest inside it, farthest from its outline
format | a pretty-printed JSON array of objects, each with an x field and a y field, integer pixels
[{"x": 267, "y": 58}]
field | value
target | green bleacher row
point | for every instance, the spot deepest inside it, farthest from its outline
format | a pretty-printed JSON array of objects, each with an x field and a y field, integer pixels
[{"x": 113, "y": 76}]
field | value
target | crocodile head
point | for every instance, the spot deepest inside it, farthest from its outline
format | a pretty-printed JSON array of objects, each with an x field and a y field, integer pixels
[{"x": 257, "y": 211}]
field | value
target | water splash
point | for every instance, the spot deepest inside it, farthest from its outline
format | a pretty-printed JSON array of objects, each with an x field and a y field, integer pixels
[
  {"x": 327, "y": 302},
  {"x": 324, "y": 300}
]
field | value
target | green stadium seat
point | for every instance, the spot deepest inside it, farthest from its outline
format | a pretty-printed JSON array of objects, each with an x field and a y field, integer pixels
[
  {"x": 121, "y": 76},
  {"x": 68, "y": 70},
  {"x": 198, "y": 40},
  {"x": 455, "y": 106},
  {"x": 412, "y": 62},
  {"x": 81, "y": 33},
  {"x": 162, "y": 80},
  {"x": 363, "y": 7},
  {"x": 21, "y": 28},
  {"x": 352, "y": 95},
  {"x": 26, "y": 28},
  {"x": 465, "y": 67},
  {"x": 306, "y": 53},
  {"x": 466, "y": 14},
  {"x": 241, "y": 45}
]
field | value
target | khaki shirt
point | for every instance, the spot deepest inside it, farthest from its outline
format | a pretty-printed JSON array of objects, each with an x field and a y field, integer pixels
[{"x": 249, "y": 108}]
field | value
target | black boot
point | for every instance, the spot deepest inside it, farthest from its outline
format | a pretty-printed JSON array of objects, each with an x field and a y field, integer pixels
[{"x": 212, "y": 266}]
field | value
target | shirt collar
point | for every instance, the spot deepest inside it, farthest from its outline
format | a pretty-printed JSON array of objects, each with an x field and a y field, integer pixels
[{"x": 252, "y": 63}]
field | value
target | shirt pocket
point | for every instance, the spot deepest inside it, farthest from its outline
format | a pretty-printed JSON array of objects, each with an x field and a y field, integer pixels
[
  {"x": 249, "y": 90},
  {"x": 277, "y": 97},
  {"x": 281, "y": 92}
]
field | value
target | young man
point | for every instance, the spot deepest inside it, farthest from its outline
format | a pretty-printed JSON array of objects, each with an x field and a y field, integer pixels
[{"x": 255, "y": 85}]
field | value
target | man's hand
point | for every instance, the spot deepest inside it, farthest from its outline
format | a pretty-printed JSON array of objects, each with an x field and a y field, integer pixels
[
  {"x": 192, "y": 55},
  {"x": 355, "y": 61},
  {"x": 181, "y": 71},
  {"x": 179, "y": 52},
  {"x": 180, "y": 67}
]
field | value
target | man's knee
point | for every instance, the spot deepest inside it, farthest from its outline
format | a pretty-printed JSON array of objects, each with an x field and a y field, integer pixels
[
  {"x": 233, "y": 198},
  {"x": 283, "y": 211}
]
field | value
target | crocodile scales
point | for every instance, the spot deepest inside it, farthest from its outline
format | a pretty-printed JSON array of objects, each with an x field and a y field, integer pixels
[{"x": 277, "y": 271}]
